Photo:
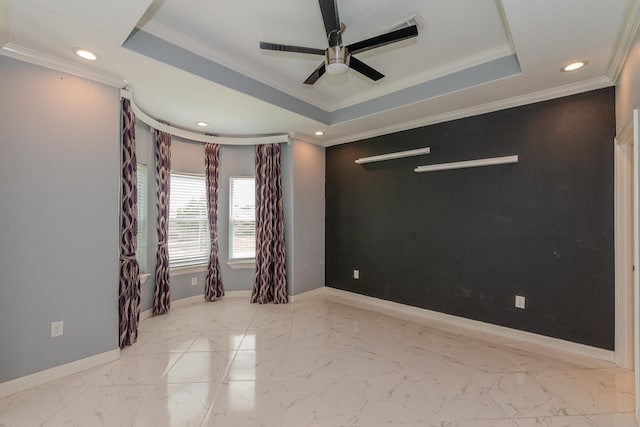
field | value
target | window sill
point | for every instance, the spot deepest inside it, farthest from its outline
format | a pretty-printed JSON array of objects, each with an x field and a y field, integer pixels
[
  {"x": 188, "y": 269},
  {"x": 244, "y": 263},
  {"x": 144, "y": 277}
]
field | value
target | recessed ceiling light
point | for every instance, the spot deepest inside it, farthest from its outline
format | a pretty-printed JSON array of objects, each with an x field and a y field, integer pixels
[
  {"x": 202, "y": 124},
  {"x": 574, "y": 66},
  {"x": 318, "y": 133},
  {"x": 85, "y": 54}
]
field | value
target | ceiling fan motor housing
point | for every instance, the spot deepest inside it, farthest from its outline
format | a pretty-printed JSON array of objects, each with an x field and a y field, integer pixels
[{"x": 337, "y": 59}]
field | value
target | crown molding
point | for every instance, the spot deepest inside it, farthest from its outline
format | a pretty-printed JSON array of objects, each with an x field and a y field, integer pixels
[
  {"x": 505, "y": 25},
  {"x": 201, "y": 137},
  {"x": 305, "y": 138},
  {"x": 431, "y": 74},
  {"x": 49, "y": 61},
  {"x": 625, "y": 39},
  {"x": 531, "y": 98}
]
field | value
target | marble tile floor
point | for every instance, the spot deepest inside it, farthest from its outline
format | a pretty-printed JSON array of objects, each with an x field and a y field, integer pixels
[{"x": 323, "y": 361}]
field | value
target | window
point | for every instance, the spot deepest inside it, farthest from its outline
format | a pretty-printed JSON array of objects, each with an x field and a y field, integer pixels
[
  {"x": 242, "y": 218},
  {"x": 141, "y": 253},
  {"x": 188, "y": 224}
]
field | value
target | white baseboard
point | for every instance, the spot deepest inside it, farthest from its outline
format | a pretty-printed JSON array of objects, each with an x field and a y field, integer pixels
[
  {"x": 194, "y": 299},
  {"x": 307, "y": 294},
  {"x": 187, "y": 301},
  {"x": 177, "y": 303},
  {"x": 415, "y": 313},
  {"x": 57, "y": 372},
  {"x": 237, "y": 294},
  {"x": 396, "y": 309},
  {"x": 230, "y": 294},
  {"x": 146, "y": 314}
]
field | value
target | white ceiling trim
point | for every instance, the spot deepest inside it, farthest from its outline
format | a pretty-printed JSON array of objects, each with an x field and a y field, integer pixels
[
  {"x": 147, "y": 44},
  {"x": 161, "y": 50},
  {"x": 624, "y": 40},
  {"x": 179, "y": 39},
  {"x": 182, "y": 40},
  {"x": 49, "y": 61},
  {"x": 304, "y": 138},
  {"x": 200, "y": 137},
  {"x": 39, "y": 29},
  {"x": 479, "y": 75},
  {"x": 530, "y": 98},
  {"x": 116, "y": 20},
  {"x": 431, "y": 74},
  {"x": 505, "y": 25}
]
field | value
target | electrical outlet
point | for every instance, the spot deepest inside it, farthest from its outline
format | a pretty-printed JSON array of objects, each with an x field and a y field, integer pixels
[
  {"x": 57, "y": 329},
  {"x": 520, "y": 301},
  {"x": 194, "y": 281},
  {"x": 356, "y": 274}
]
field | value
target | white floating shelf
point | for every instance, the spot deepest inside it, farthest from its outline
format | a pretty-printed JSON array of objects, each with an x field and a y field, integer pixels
[
  {"x": 468, "y": 164},
  {"x": 397, "y": 155}
]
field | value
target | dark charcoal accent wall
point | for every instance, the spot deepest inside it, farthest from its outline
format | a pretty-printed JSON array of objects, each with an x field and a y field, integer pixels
[{"x": 466, "y": 241}]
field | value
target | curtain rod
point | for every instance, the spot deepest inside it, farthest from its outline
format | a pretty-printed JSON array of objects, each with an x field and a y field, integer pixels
[{"x": 199, "y": 137}]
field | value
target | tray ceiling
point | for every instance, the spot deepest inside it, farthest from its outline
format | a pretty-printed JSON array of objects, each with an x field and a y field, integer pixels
[{"x": 193, "y": 60}]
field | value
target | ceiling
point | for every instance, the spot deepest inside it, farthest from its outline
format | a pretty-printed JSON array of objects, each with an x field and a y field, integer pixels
[{"x": 192, "y": 60}]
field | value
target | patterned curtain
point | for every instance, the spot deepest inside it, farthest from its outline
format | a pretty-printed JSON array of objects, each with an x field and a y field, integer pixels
[
  {"x": 270, "y": 284},
  {"x": 213, "y": 288},
  {"x": 161, "y": 300},
  {"x": 129, "y": 292}
]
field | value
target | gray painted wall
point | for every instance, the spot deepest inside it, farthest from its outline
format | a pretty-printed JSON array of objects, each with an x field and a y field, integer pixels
[
  {"x": 59, "y": 174},
  {"x": 303, "y": 171},
  {"x": 286, "y": 160},
  {"x": 308, "y": 215}
]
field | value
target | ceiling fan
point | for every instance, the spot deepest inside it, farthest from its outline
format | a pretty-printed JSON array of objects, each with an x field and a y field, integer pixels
[{"x": 337, "y": 57}]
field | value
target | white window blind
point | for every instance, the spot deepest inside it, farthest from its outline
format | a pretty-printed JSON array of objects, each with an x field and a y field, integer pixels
[
  {"x": 188, "y": 224},
  {"x": 141, "y": 252},
  {"x": 242, "y": 218}
]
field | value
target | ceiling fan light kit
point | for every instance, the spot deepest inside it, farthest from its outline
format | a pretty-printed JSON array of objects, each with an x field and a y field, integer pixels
[{"x": 339, "y": 58}]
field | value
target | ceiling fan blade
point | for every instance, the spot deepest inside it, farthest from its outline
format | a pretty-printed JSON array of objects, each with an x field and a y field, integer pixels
[
  {"x": 329, "y": 9},
  {"x": 288, "y": 48},
  {"x": 384, "y": 39},
  {"x": 315, "y": 75},
  {"x": 364, "y": 69}
]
